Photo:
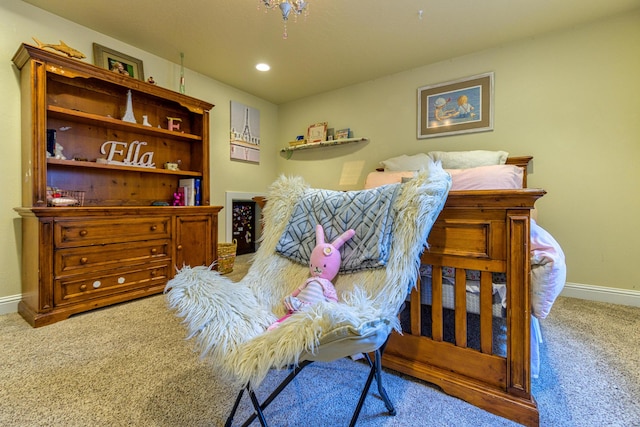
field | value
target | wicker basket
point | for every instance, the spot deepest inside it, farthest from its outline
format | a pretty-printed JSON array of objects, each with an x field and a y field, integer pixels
[
  {"x": 226, "y": 256},
  {"x": 56, "y": 197}
]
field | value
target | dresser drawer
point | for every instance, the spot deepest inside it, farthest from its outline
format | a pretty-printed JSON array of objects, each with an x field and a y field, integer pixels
[
  {"x": 75, "y": 289},
  {"x": 102, "y": 257},
  {"x": 86, "y": 232}
]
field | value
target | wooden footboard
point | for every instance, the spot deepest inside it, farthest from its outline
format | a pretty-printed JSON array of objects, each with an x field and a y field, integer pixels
[{"x": 486, "y": 231}]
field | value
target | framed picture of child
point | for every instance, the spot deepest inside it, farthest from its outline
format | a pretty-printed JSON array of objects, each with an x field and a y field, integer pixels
[
  {"x": 117, "y": 62},
  {"x": 455, "y": 107}
]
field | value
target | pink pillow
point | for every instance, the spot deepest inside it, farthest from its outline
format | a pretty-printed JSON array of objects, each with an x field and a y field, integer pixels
[
  {"x": 494, "y": 177},
  {"x": 377, "y": 178}
]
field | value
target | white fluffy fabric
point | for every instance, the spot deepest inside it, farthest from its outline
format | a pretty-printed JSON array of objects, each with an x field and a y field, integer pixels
[{"x": 228, "y": 320}]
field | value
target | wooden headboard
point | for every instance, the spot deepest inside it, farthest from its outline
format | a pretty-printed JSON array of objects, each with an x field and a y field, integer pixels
[{"x": 522, "y": 162}]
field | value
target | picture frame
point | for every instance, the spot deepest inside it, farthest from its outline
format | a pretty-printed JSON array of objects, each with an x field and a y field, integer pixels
[
  {"x": 317, "y": 133},
  {"x": 343, "y": 133},
  {"x": 244, "y": 133},
  {"x": 456, "y": 107},
  {"x": 330, "y": 134},
  {"x": 108, "y": 58}
]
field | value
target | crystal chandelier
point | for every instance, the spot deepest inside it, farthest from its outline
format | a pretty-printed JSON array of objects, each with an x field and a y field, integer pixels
[{"x": 287, "y": 7}]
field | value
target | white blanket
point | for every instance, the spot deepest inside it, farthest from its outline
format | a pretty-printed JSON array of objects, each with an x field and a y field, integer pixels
[
  {"x": 228, "y": 320},
  {"x": 548, "y": 270}
]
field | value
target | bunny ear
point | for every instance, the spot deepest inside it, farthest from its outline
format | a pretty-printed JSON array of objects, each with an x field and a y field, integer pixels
[
  {"x": 319, "y": 235},
  {"x": 343, "y": 238}
]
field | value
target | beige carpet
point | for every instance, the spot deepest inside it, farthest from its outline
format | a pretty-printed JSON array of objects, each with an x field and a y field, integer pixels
[{"x": 129, "y": 365}]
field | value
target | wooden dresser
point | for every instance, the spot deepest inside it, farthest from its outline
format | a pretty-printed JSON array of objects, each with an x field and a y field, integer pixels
[{"x": 118, "y": 242}]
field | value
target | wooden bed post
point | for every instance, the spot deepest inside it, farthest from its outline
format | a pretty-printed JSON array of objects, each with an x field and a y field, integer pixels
[{"x": 518, "y": 320}]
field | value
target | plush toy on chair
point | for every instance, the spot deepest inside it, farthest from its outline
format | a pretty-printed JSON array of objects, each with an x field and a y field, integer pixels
[{"x": 324, "y": 264}]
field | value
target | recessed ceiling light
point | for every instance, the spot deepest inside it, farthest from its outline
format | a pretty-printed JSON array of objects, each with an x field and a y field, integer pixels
[{"x": 263, "y": 67}]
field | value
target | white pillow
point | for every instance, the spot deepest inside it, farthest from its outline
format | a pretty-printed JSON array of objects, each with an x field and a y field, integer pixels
[
  {"x": 469, "y": 159},
  {"x": 407, "y": 163},
  {"x": 494, "y": 177}
]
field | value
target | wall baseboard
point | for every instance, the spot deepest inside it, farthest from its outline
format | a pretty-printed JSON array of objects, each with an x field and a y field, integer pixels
[
  {"x": 9, "y": 304},
  {"x": 601, "y": 294}
]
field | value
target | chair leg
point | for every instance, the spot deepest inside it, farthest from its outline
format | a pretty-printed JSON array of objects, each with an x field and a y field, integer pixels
[
  {"x": 235, "y": 408},
  {"x": 376, "y": 371},
  {"x": 381, "y": 390},
  {"x": 257, "y": 407},
  {"x": 256, "y": 404}
]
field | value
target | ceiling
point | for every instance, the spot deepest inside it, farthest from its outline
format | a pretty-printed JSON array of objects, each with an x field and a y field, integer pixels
[{"x": 340, "y": 43}]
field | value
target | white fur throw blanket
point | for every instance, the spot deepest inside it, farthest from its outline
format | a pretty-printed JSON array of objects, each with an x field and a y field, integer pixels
[{"x": 228, "y": 320}]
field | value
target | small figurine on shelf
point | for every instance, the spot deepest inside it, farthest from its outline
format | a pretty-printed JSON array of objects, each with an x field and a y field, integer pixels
[
  {"x": 128, "y": 114},
  {"x": 178, "y": 198},
  {"x": 57, "y": 152},
  {"x": 62, "y": 48},
  {"x": 150, "y": 80}
]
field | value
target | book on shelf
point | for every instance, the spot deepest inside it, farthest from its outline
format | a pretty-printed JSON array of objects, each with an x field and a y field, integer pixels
[
  {"x": 197, "y": 199},
  {"x": 192, "y": 191},
  {"x": 188, "y": 185}
]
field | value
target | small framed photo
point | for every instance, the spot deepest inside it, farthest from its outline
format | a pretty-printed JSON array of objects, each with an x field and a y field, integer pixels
[
  {"x": 343, "y": 133},
  {"x": 330, "y": 134},
  {"x": 117, "y": 62},
  {"x": 317, "y": 133},
  {"x": 455, "y": 107}
]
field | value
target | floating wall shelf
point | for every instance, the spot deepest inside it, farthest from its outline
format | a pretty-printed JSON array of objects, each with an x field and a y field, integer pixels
[{"x": 290, "y": 150}]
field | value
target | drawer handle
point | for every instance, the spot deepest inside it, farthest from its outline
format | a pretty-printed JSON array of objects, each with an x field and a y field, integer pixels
[
  {"x": 83, "y": 233},
  {"x": 154, "y": 227},
  {"x": 121, "y": 280},
  {"x": 154, "y": 273},
  {"x": 84, "y": 260},
  {"x": 97, "y": 284},
  {"x": 83, "y": 288},
  {"x": 154, "y": 251},
  {"x": 179, "y": 247}
]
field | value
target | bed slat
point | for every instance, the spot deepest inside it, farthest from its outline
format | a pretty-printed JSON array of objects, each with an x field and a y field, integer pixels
[
  {"x": 436, "y": 304},
  {"x": 416, "y": 324},
  {"x": 461, "y": 307},
  {"x": 486, "y": 313}
]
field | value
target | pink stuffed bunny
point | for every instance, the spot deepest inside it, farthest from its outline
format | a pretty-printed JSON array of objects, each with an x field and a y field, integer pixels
[{"x": 323, "y": 265}]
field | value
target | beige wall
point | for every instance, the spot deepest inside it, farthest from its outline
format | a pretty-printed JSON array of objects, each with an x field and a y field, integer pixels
[
  {"x": 19, "y": 22},
  {"x": 570, "y": 99}
]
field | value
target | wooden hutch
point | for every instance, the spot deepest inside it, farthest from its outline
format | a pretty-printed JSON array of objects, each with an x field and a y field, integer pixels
[{"x": 124, "y": 239}]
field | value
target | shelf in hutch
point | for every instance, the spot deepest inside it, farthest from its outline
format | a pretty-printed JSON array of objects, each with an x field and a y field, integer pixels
[{"x": 119, "y": 245}]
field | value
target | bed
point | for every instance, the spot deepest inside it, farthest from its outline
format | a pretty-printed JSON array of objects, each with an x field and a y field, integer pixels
[{"x": 470, "y": 326}]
